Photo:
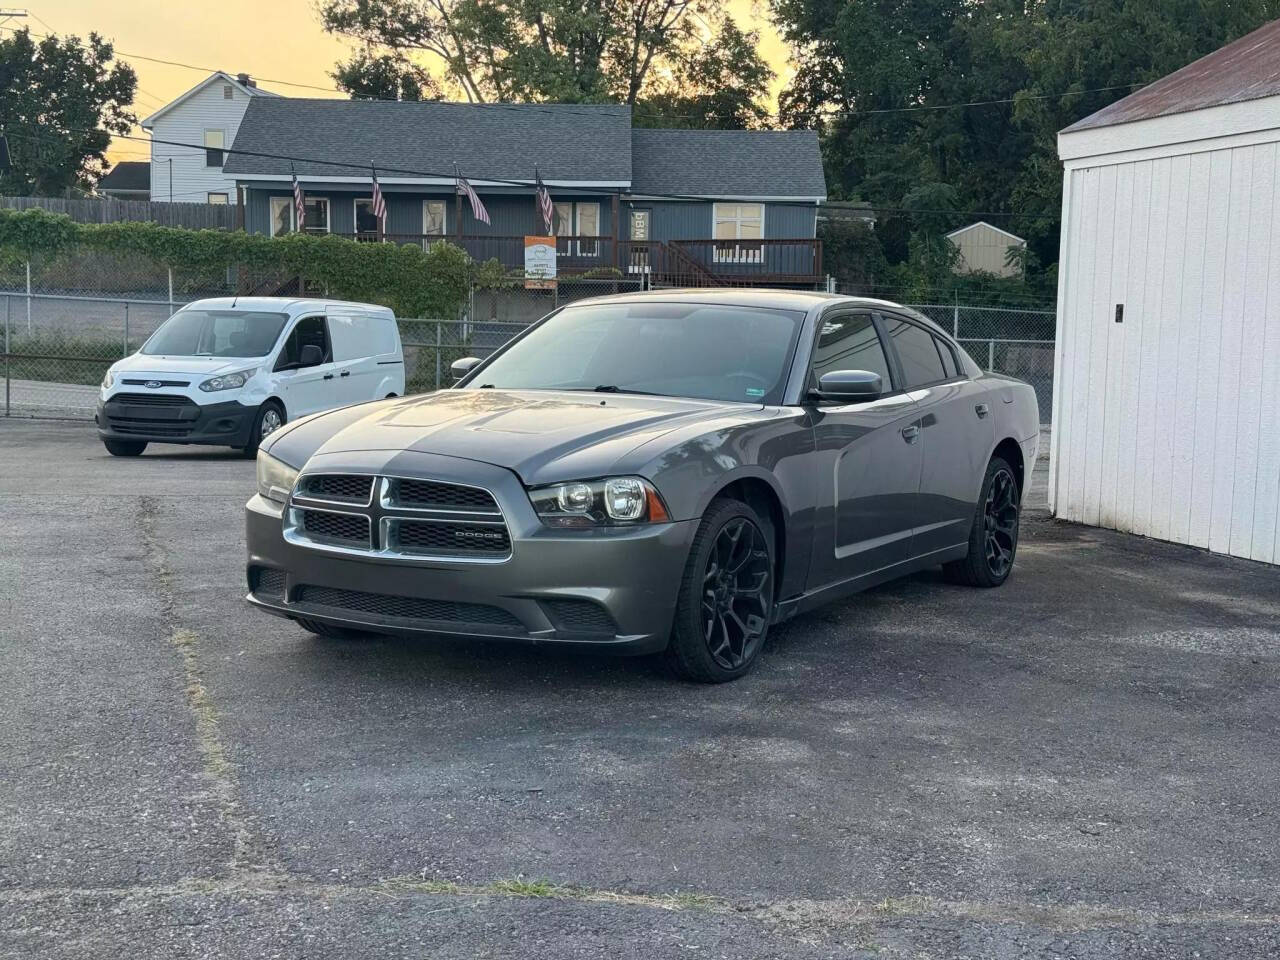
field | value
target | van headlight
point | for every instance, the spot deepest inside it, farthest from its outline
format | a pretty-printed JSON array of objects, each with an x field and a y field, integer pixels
[
  {"x": 228, "y": 381},
  {"x": 275, "y": 478},
  {"x": 611, "y": 501}
]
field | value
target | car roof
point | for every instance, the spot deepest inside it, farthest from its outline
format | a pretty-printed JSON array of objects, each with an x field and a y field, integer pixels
[
  {"x": 281, "y": 304},
  {"x": 759, "y": 297}
]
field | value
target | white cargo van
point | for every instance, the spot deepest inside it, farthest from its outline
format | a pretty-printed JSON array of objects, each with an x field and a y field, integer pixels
[{"x": 229, "y": 371}]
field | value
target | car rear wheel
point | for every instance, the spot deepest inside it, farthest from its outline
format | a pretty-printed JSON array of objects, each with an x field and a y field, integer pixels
[
  {"x": 125, "y": 448},
  {"x": 993, "y": 540},
  {"x": 726, "y": 596}
]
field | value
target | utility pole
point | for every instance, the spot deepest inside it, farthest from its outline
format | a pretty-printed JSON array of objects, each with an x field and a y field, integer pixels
[{"x": 11, "y": 13}]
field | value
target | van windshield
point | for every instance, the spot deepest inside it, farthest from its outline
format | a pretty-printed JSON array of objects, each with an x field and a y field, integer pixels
[{"x": 216, "y": 333}]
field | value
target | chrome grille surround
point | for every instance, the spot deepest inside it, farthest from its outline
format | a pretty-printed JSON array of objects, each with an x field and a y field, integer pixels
[{"x": 439, "y": 520}]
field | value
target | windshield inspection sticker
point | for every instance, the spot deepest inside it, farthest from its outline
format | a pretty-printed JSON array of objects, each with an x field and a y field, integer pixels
[{"x": 755, "y": 392}]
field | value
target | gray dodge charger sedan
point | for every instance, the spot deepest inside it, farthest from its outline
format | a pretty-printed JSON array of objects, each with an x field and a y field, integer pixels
[{"x": 673, "y": 471}]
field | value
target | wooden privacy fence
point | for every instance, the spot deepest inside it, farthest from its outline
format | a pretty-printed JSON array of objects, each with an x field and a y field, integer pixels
[{"x": 196, "y": 216}]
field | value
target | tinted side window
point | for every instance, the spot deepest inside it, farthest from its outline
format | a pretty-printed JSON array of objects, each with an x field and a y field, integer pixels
[
  {"x": 310, "y": 330},
  {"x": 917, "y": 352},
  {"x": 849, "y": 342},
  {"x": 948, "y": 358}
]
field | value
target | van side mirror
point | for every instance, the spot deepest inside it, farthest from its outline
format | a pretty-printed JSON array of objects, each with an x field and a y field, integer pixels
[
  {"x": 461, "y": 367},
  {"x": 850, "y": 386},
  {"x": 310, "y": 356}
]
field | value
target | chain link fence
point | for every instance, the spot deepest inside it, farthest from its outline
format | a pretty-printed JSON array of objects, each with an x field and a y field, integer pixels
[{"x": 66, "y": 321}]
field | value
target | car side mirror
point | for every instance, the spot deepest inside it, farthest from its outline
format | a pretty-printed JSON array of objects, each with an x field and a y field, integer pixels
[
  {"x": 310, "y": 356},
  {"x": 850, "y": 386},
  {"x": 461, "y": 367}
]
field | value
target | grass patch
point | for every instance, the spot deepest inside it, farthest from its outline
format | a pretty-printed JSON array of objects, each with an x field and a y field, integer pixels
[{"x": 519, "y": 887}]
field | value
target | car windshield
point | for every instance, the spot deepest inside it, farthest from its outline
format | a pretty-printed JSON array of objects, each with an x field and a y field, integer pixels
[
  {"x": 216, "y": 333},
  {"x": 706, "y": 351}
]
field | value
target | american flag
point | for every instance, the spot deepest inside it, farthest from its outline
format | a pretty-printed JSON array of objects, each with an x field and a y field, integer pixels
[
  {"x": 379, "y": 203},
  {"x": 545, "y": 206},
  {"x": 477, "y": 208},
  {"x": 299, "y": 205}
]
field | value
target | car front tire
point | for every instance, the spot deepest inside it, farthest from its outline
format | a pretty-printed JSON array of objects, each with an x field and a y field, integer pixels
[
  {"x": 330, "y": 632},
  {"x": 125, "y": 448},
  {"x": 993, "y": 538},
  {"x": 726, "y": 596}
]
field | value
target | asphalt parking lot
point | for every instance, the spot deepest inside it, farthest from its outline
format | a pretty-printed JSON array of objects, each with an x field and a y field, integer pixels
[{"x": 1084, "y": 763}]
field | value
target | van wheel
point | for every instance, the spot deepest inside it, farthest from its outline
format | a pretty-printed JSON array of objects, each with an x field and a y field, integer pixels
[
  {"x": 125, "y": 448},
  {"x": 270, "y": 418}
]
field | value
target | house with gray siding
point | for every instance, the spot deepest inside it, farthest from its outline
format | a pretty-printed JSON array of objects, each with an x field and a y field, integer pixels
[{"x": 696, "y": 207}]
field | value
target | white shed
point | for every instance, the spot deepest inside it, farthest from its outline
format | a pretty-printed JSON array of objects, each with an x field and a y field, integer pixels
[{"x": 1166, "y": 405}]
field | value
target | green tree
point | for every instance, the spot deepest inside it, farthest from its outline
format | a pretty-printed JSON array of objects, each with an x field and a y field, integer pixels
[
  {"x": 880, "y": 79},
  {"x": 569, "y": 51},
  {"x": 371, "y": 76},
  {"x": 719, "y": 85},
  {"x": 61, "y": 100}
]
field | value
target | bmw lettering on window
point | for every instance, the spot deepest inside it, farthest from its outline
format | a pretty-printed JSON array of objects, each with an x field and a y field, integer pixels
[{"x": 668, "y": 473}]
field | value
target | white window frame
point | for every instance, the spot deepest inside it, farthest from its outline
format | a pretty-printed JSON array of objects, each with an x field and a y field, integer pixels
[
  {"x": 226, "y": 198},
  {"x": 273, "y": 205},
  {"x": 726, "y": 250},
  {"x": 222, "y": 149},
  {"x": 575, "y": 247},
  {"x": 355, "y": 214},
  {"x": 444, "y": 222},
  {"x": 327, "y": 221}
]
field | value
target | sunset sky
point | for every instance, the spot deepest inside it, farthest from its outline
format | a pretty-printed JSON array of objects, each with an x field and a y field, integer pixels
[{"x": 273, "y": 40}]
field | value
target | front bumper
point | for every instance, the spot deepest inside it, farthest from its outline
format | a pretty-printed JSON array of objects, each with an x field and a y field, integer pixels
[
  {"x": 613, "y": 589},
  {"x": 220, "y": 424}
]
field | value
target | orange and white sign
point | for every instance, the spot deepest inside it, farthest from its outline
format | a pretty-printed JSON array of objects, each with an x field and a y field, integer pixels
[{"x": 539, "y": 263}]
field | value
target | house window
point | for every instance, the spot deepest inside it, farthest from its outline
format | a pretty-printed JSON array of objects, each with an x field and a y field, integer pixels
[
  {"x": 317, "y": 214},
  {"x": 281, "y": 216},
  {"x": 579, "y": 220},
  {"x": 366, "y": 222},
  {"x": 218, "y": 199},
  {"x": 433, "y": 218},
  {"x": 738, "y": 222},
  {"x": 214, "y": 144}
]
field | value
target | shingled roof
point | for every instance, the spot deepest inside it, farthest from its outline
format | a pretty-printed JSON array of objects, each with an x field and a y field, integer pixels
[
  {"x": 583, "y": 143},
  {"x": 1247, "y": 69},
  {"x": 727, "y": 163}
]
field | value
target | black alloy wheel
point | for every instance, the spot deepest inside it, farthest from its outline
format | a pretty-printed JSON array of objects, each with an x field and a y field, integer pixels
[
  {"x": 726, "y": 596},
  {"x": 1000, "y": 522},
  {"x": 993, "y": 537}
]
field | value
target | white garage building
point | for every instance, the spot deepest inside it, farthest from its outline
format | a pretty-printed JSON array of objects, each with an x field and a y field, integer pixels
[{"x": 1166, "y": 405}]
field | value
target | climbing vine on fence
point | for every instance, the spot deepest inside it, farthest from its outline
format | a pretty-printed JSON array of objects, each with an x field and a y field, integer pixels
[{"x": 412, "y": 281}]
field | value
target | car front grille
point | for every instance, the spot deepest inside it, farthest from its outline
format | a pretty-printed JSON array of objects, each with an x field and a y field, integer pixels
[
  {"x": 397, "y": 518},
  {"x": 151, "y": 399},
  {"x": 346, "y": 528},
  {"x": 418, "y": 609},
  {"x": 268, "y": 582},
  {"x": 432, "y": 495},
  {"x": 338, "y": 487}
]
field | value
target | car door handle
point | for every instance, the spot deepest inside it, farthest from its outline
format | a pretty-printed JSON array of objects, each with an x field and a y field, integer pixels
[
  {"x": 911, "y": 434},
  {"x": 345, "y": 373},
  {"x": 328, "y": 376},
  {"x": 981, "y": 410}
]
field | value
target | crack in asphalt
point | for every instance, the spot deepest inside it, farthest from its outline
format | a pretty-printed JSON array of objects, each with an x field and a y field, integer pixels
[{"x": 249, "y": 853}]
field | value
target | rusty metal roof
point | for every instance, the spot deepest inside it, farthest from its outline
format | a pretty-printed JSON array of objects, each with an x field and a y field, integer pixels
[{"x": 1246, "y": 69}]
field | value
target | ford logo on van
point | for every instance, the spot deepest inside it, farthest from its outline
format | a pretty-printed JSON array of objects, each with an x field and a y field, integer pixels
[{"x": 153, "y": 384}]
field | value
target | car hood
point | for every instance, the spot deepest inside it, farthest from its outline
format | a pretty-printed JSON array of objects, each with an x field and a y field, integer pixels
[
  {"x": 192, "y": 366},
  {"x": 543, "y": 436}
]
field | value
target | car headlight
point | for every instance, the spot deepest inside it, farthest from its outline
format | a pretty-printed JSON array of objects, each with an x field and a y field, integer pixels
[
  {"x": 611, "y": 501},
  {"x": 228, "y": 381},
  {"x": 275, "y": 479},
  {"x": 108, "y": 379}
]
